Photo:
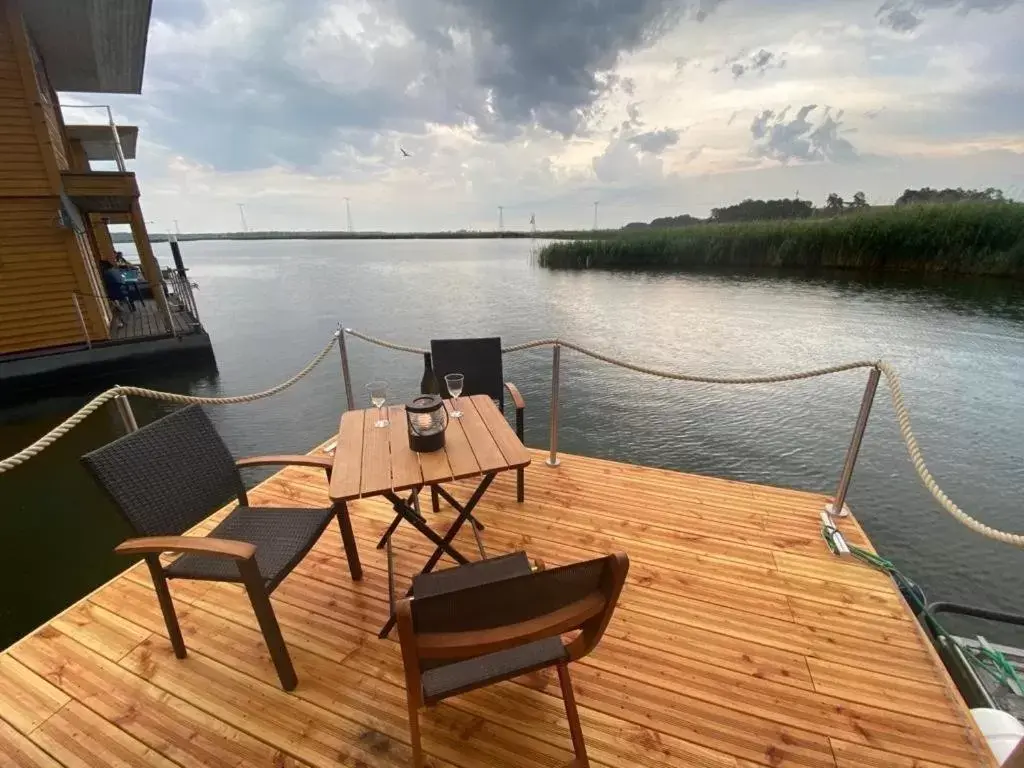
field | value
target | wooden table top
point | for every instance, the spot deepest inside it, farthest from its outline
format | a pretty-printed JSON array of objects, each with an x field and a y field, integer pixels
[{"x": 370, "y": 460}]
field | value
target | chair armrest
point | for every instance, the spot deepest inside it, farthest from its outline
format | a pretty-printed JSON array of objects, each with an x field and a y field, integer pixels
[
  {"x": 299, "y": 460},
  {"x": 196, "y": 545},
  {"x": 466, "y": 644},
  {"x": 517, "y": 398}
]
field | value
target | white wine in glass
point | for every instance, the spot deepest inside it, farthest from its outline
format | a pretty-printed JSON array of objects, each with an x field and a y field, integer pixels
[
  {"x": 454, "y": 382},
  {"x": 378, "y": 396}
]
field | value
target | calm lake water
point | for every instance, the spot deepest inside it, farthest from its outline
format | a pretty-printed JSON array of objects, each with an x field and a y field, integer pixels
[{"x": 269, "y": 307}]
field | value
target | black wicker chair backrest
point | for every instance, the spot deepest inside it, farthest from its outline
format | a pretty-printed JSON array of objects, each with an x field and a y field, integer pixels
[
  {"x": 518, "y": 599},
  {"x": 479, "y": 360},
  {"x": 168, "y": 476}
]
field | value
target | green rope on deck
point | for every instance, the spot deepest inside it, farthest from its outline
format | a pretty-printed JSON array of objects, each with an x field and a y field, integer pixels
[{"x": 989, "y": 659}]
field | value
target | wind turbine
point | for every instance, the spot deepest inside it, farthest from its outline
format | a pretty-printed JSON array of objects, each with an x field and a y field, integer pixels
[
  {"x": 596, "y": 203},
  {"x": 501, "y": 218},
  {"x": 241, "y": 213},
  {"x": 348, "y": 214}
]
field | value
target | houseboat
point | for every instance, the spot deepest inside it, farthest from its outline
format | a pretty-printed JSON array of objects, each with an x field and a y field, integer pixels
[{"x": 57, "y": 314}]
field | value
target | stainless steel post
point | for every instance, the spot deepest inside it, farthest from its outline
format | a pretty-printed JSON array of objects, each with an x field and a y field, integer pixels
[
  {"x": 124, "y": 410},
  {"x": 556, "y": 356},
  {"x": 350, "y": 400},
  {"x": 118, "y": 152},
  {"x": 837, "y": 507},
  {"x": 162, "y": 286},
  {"x": 81, "y": 320}
]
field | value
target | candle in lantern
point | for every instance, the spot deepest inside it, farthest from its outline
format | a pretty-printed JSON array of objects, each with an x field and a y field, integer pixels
[{"x": 427, "y": 420}]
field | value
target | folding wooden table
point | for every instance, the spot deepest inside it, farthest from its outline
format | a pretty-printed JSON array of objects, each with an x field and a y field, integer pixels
[{"x": 377, "y": 461}]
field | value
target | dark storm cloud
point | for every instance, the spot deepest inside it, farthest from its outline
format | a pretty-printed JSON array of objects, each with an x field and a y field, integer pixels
[
  {"x": 495, "y": 65},
  {"x": 779, "y": 138},
  {"x": 656, "y": 142},
  {"x": 908, "y": 15},
  {"x": 542, "y": 61}
]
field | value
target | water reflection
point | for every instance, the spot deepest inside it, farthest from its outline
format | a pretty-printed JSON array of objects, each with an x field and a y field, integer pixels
[{"x": 270, "y": 306}]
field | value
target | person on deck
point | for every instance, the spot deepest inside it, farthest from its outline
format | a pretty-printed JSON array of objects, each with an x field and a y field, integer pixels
[{"x": 114, "y": 284}]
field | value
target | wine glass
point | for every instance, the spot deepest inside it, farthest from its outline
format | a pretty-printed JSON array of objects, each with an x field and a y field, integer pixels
[
  {"x": 454, "y": 382},
  {"x": 378, "y": 394}
]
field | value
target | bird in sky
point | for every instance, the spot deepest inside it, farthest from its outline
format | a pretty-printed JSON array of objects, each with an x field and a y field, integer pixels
[{"x": 404, "y": 153}]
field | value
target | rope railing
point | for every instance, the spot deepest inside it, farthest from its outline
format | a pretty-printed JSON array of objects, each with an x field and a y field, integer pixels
[
  {"x": 892, "y": 379},
  {"x": 103, "y": 398},
  {"x": 887, "y": 370}
]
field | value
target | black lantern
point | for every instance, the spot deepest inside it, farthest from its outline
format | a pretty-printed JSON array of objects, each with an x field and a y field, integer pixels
[{"x": 427, "y": 419}]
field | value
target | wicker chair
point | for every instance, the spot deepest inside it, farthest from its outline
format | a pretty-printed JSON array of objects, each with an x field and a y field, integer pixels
[
  {"x": 479, "y": 360},
  {"x": 169, "y": 476},
  {"x": 478, "y": 624}
]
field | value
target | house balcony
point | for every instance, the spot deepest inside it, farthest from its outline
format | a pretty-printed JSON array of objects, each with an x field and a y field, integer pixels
[{"x": 101, "y": 191}]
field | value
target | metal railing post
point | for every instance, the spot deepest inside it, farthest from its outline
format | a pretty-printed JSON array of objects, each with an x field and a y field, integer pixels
[
  {"x": 556, "y": 357},
  {"x": 124, "y": 410},
  {"x": 349, "y": 399},
  {"x": 838, "y": 505},
  {"x": 162, "y": 286},
  {"x": 118, "y": 152},
  {"x": 81, "y": 320}
]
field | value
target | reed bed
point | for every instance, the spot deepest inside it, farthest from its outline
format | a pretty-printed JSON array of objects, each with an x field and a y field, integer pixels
[{"x": 959, "y": 238}]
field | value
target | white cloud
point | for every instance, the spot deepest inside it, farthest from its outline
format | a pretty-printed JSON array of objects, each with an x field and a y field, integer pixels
[{"x": 292, "y": 105}]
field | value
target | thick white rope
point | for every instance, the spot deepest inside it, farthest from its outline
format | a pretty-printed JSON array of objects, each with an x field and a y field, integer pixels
[
  {"x": 891, "y": 377},
  {"x": 97, "y": 402}
]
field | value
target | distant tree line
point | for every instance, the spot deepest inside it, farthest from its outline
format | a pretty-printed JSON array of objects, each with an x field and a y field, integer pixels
[
  {"x": 958, "y": 195},
  {"x": 835, "y": 204}
]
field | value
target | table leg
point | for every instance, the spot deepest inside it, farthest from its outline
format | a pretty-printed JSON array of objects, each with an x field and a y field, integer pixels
[
  {"x": 348, "y": 539},
  {"x": 391, "y": 578},
  {"x": 477, "y": 525},
  {"x": 465, "y": 513},
  {"x": 412, "y": 505},
  {"x": 444, "y": 545}
]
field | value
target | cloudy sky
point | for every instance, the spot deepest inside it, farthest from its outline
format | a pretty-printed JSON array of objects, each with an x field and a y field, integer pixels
[{"x": 651, "y": 107}]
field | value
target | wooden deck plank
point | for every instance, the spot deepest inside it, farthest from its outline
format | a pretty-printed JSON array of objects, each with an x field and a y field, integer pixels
[
  {"x": 103, "y": 631},
  {"x": 26, "y": 699},
  {"x": 77, "y": 736},
  {"x": 162, "y": 722},
  {"x": 738, "y": 643},
  {"x": 19, "y": 751}
]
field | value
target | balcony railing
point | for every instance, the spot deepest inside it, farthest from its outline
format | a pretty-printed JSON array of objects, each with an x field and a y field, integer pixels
[{"x": 117, "y": 153}]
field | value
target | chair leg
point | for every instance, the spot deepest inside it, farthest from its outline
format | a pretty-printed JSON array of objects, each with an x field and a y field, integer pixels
[
  {"x": 573, "y": 716},
  {"x": 520, "y": 473},
  {"x": 414, "y": 736},
  {"x": 163, "y": 595},
  {"x": 435, "y": 500},
  {"x": 268, "y": 623},
  {"x": 348, "y": 538}
]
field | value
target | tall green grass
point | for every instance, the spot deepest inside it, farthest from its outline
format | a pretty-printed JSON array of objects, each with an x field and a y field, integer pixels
[{"x": 961, "y": 238}]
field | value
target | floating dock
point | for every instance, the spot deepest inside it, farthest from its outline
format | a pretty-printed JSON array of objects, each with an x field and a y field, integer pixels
[{"x": 739, "y": 641}]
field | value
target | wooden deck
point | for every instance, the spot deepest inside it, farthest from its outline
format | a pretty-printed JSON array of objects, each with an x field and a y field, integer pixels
[
  {"x": 148, "y": 321},
  {"x": 739, "y": 642}
]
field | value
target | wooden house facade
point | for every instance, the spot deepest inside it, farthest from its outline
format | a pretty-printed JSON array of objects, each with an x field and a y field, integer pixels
[{"x": 54, "y": 209}]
